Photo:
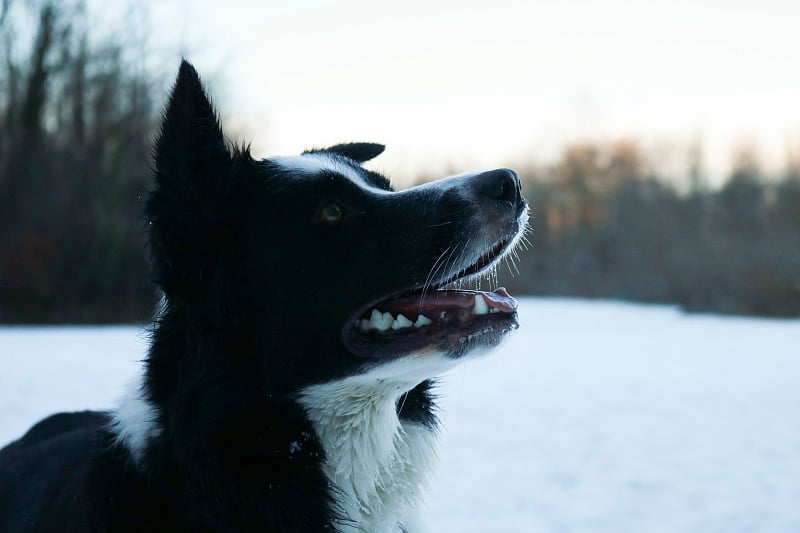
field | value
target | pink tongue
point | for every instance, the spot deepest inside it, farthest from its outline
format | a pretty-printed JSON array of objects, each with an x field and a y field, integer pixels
[{"x": 498, "y": 299}]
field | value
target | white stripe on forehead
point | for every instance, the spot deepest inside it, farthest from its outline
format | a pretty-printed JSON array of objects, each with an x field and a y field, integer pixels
[{"x": 316, "y": 162}]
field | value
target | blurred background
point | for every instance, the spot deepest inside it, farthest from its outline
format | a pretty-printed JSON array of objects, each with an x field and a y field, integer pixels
[{"x": 659, "y": 142}]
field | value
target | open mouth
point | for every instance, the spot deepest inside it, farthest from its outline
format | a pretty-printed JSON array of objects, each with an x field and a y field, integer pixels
[{"x": 449, "y": 320}]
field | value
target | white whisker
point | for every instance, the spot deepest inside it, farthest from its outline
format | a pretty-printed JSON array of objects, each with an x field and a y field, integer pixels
[
  {"x": 430, "y": 276},
  {"x": 439, "y": 224}
]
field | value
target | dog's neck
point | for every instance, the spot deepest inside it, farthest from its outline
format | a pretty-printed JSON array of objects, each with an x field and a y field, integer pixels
[{"x": 379, "y": 464}]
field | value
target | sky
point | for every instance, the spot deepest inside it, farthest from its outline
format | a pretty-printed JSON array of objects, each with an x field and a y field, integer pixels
[{"x": 461, "y": 85}]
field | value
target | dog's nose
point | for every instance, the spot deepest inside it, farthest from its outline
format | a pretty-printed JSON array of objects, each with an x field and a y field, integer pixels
[{"x": 501, "y": 184}]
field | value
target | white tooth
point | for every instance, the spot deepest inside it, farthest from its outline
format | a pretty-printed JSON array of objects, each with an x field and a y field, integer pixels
[
  {"x": 422, "y": 320},
  {"x": 375, "y": 319},
  {"x": 401, "y": 322},
  {"x": 481, "y": 308},
  {"x": 383, "y": 322},
  {"x": 441, "y": 315},
  {"x": 364, "y": 324}
]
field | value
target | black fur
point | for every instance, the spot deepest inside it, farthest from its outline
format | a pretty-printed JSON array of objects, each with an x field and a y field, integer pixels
[
  {"x": 256, "y": 290},
  {"x": 417, "y": 405},
  {"x": 358, "y": 152}
]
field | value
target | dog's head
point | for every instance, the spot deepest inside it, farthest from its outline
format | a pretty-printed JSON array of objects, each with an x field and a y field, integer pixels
[{"x": 318, "y": 257}]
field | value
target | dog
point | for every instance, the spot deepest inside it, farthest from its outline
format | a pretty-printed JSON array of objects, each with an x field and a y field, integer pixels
[{"x": 289, "y": 384}]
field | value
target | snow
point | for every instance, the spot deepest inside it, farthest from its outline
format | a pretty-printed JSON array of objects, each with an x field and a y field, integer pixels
[{"x": 594, "y": 417}]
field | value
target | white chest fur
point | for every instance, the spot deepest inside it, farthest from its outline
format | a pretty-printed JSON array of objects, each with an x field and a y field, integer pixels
[{"x": 380, "y": 465}]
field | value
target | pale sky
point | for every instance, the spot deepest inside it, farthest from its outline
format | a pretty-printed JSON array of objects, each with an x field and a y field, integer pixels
[{"x": 465, "y": 85}]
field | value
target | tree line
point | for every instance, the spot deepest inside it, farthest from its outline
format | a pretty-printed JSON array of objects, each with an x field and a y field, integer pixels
[
  {"x": 78, "y": 113},
  {"x": 607, "y": 225},
  {"x": 76, "y": 116}
]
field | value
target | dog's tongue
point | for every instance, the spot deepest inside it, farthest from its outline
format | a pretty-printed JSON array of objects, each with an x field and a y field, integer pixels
[{"x": 499, "y": 299}]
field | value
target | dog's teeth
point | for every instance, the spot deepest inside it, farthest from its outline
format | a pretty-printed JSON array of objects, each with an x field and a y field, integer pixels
[
  {"x": 375, "y": 319},
  {"x": 401, "y": 322},
  {"x": 480, "y": 305},
  {"x": 422, "y": 320},
  {"x": 378, "y": 320},
  {"x": 385, "y": 322},
  {"x": 441, "y": 315},
  {"x": 364, "y": 324}
]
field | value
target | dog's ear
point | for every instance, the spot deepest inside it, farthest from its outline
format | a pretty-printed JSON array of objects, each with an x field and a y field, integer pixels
[
  {"x": 191, "y": 136},
  {"x": 358, "y": 152},
  {"x": 186, "y": 212}
]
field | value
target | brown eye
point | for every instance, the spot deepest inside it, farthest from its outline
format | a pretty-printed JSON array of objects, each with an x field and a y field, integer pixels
[{"x": 331, "y": 213}]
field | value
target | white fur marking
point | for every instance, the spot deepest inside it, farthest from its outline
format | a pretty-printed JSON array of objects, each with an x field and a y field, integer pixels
[
  {"x": 380, "y": 465},
  {"x": 134, "y": 421},
  {"x": 316, "y": 162}
]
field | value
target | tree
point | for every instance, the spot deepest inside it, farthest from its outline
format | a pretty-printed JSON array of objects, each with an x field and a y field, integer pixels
[{"x": 76, "y": 119}]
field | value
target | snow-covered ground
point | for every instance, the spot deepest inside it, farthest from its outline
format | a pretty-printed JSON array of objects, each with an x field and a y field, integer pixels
[{"x": 594, "y": 417}]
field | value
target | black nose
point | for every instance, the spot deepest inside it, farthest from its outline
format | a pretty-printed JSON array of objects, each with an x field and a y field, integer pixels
[{"x": 501, "y": 184}]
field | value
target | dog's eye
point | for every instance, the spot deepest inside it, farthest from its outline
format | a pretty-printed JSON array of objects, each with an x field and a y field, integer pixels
[{"x": 331, "y": 213}]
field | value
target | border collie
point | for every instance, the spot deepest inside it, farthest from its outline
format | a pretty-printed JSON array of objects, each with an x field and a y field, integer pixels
[{"x": 288, "y": 385}]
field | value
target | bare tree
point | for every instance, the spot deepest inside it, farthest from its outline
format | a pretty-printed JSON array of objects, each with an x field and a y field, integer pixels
[{"x": 74, "y": 161}]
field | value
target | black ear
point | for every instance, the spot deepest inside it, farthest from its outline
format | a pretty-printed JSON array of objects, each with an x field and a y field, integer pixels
[
  {"x": 188, "y": 217},
  {"x": 190, "y": 133},
  {"x": 358, "y": 152}
]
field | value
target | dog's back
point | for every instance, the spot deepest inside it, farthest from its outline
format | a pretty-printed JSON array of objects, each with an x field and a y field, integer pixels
[{"x": 40, "y": 471}]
